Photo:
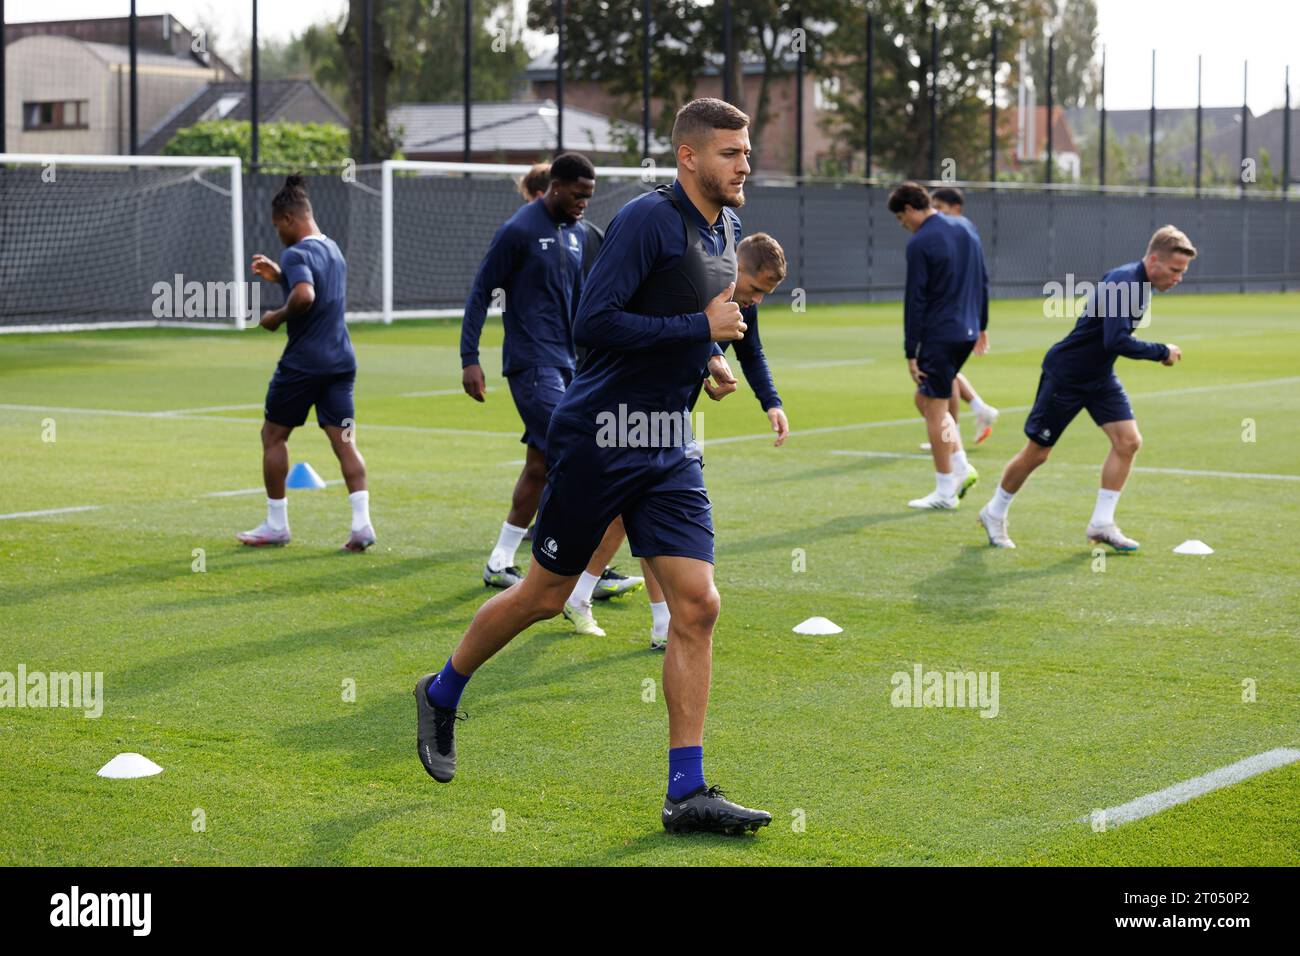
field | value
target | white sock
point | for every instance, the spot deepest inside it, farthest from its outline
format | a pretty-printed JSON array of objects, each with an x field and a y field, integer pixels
[
  {"x": 959, "y": 464},
  {"x": 1104, "y": 513},
  {"x": 277, "y": 513},
  {"x": 946, "y": 485},
  {"x": 999, "y": 503},
  {"x": 659, "y": 618},
  {"x": 977, "y": 405},
  {"x": 582, "y": 590},
  {"x": 503, "y": 555},
  {"x": 360, "y": 501}
]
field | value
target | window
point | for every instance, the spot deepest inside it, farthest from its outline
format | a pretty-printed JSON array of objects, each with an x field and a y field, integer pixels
[{"x": 59, "y": 114}]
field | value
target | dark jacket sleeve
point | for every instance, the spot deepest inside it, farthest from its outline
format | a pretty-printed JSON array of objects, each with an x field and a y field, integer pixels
[{"x": 493, "y": 273}]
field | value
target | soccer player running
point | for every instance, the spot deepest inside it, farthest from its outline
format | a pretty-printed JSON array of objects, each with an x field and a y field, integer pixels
[
  {"x": 536, "y": 259},
  {"x": 657, "y": 299},
  {"x": 1079, "y": 372},
  {"x": 945, "y": 311},
  {"x": 949, "y": 200},
  {"x": 317, "y": 367},
  {"x": 760, "y": 264}
]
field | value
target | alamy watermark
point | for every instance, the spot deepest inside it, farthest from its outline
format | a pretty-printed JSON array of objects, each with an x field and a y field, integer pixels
[
  {"x": 179, "y": 299},
  {"x": 973, "y": 689},
  {"x": 643, "y": 429},
  {"x": 1062, "y": 300},
  {"x": 77, "y": 690}
]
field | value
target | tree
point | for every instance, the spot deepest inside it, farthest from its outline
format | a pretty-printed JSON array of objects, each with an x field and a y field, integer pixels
[
  {"x": 687, "y": 36},
  {"x": 1076, "y": 70},
  {"x": 900, "y": 87},
  {"x": 296, "y": 145}
]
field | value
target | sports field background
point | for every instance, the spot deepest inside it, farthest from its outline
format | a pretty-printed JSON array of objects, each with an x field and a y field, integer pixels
[{"x": 1113, "y": 683}]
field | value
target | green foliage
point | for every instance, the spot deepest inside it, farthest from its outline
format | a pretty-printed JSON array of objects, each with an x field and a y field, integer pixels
[{"x": 291, "y": 144}]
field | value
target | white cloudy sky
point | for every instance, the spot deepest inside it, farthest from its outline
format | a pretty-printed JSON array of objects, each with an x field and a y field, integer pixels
[{"x": 1225, "y": 32}]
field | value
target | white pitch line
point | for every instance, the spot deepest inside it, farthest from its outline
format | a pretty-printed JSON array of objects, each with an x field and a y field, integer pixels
[
  {"x": 436, "y": 392},
  {"x": 1188, "y": 472},
  {"x": 259, "y": 491},
  {"x": 1198, "y": 786},
  {"x": 49, "y": 511},
  {"x": 209, "y": 408}
]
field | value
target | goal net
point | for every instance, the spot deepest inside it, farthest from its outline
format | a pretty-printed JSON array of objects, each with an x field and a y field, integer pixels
[
  {"x": 437, "y": 220},
  {"x": 99, "y": 241}
]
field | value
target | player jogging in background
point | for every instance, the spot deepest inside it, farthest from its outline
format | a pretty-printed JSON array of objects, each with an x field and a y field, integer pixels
[
  {"x": 534, "y": 183},
  {"x": 760, "y": 265},
  {"x": 318, "y": 366},
  {"x": 536, "y": 259},
  {"x": 1079, "y": 372},
  {"x": 657, "y": 299},
  {"x": 949, "y": 201},
  {"x": 945, "y": 310}
]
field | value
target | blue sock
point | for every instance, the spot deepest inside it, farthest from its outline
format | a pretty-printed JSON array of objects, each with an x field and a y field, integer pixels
[
  {"x": 685, "y": 771},
  {"x": 445, "y": 689}
]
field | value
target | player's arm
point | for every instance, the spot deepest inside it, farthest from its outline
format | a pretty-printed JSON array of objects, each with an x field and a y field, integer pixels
[
  {"x": 1117, "y": 330},
  {"x": 295, "y": 276},
  {"x": 982, "y": 343},
  {"x": 634, "y": 246},
  {"x": 753, "y": 362},
  {"x": 493, "y": 273},
  {"x": 914, "y": 306}
]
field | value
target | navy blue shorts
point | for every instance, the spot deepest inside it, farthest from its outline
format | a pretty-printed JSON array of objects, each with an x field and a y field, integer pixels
[
  {"x": 536, "y": 392},
  {"x": 291, "y": 393},
  {"x": 659, "y": 492},
  {"x": 1056, "y": 405},
  {"x": 941, "y": 361}
]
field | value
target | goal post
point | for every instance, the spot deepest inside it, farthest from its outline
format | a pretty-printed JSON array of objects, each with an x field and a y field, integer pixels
[
  {"x": 92, "y": 242},
  {"x": 437, "y": 219}
]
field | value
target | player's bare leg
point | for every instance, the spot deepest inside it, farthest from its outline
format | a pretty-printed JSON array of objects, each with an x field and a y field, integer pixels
[
  {"x": 993, "y": 516},
  {"x": 1125, "y": 442},
  {"x": 537, "y": 597},
  {"x": 275, "y": 469},
  {"x": 609, "y": 582},
  {"x": 953, "y": 474},
  {"x": 577, "y": 608},
  {"x": 500, "y": 570},
  {"x": 985, "y": 415},
  {"x": 688, "y": 672},
  {"x": 659, "y": 616},
  {"x": 353, "y": 466}
]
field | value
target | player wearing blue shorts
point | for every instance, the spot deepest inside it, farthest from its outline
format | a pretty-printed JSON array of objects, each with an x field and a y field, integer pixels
[
  {"x": 945, "y": 311},
  {"x": 760, "y": 268},
  {"x": 536, "y": 261},
  {"x": 1079, "y": 373},
  {"x": 657, "y": 300},
  {"x": 318, "y": 367}
]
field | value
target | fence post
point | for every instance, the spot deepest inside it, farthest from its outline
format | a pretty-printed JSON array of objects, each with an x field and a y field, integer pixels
[
  {"x": 133, "y": 42},
  {"x": 1051, "y": 161},
  {"x": 252, "y": 95},
  {"x": 467, "y": 83},
  {"x": 366, "y": 14},
  {"x": 993, "y": 109},
  {"x": 559, "y": 78},
  {"x": 646, "y": 27},
  {"x": 1151, "y": 137}
]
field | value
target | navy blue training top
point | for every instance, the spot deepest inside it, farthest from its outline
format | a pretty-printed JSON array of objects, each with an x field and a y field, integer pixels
[
  {"x": 1105, "y": 330},
  {"x": 318, "y": 338},
  {"x": 537, "y": 262},
  {"x": 653, "y": 363},
  {"x": 947, "y": 294}
]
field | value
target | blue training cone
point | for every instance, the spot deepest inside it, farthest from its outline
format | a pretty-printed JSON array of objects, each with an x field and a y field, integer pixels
[{"x": 304, "y": 476}]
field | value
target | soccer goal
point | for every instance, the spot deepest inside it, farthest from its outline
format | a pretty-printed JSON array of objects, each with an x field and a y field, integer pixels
[
  {"x": 437, "y": 220},
  {"x": 91, "y": 242}
]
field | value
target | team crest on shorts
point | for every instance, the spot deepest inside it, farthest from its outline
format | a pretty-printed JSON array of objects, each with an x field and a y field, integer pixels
[{"x": 550, "y": 547}]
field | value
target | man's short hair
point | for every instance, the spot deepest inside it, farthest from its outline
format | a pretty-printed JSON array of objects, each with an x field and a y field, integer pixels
[
  {"x": 567, "y": 167},
  {"x": 1169, "y": 239},
  {"x": 535, "y": 180},
  {"x": 292, "y": 197},
  {"x": 909, "y": 194},
  {"x": 948, "y": 194},
  {"x": 762, "y": 254},
  {"x": 699, "y": 118}
]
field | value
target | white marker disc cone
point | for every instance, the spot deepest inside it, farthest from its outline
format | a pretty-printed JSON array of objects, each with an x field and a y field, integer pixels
[
  {"x": 126, "y": 766},
  {"x": 818, "y": 625},
  {"x": 1193, "y": 547}
]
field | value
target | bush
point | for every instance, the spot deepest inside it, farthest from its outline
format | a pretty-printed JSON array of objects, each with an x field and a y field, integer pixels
[{"x": 279, "y": 144}]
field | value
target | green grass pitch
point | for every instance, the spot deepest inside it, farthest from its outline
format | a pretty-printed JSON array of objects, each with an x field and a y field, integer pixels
[{"x": 1114, "y": 683}]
